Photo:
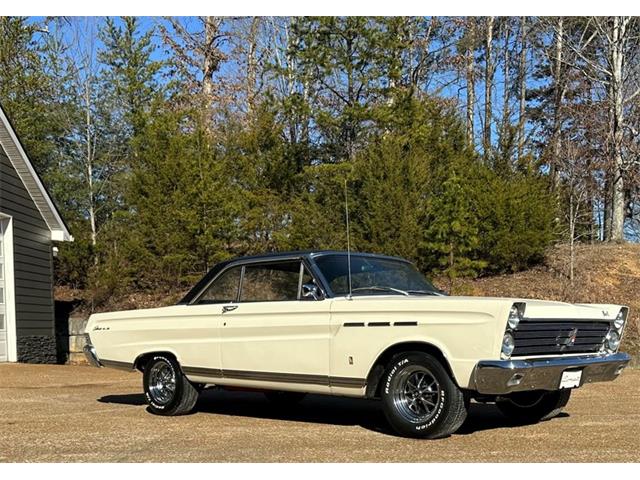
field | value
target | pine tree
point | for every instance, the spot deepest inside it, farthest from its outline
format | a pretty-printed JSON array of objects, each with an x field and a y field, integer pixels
[
  {"x": 129, "y": 70},
  {"x": 452, "y": 237}
]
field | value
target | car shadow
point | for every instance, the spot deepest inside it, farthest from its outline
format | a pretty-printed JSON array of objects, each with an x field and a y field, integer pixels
[
  {"x": 313, "y": 409},
  {"x": 322, "y": 409},
  {"x": 483, "y": 416},
  {"x": 137, "y": 399}
]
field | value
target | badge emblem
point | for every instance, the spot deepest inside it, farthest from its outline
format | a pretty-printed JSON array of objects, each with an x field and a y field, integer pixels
[{"x": 569, "y": 341}]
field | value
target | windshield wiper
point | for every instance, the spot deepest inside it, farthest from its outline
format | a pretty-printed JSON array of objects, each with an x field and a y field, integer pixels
[
  {"x": 382, "y": 289},
  {"x": 425, "y": 292}
]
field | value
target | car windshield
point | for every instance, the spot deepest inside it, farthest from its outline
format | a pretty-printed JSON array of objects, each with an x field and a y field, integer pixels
[{"x": 373, "y": 276}]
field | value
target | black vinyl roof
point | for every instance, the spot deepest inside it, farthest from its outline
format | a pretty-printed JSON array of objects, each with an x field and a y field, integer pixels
[{"x": 310, "y": 254}]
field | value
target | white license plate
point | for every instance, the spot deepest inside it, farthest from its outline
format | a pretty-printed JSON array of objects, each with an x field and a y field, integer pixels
[{"x": 570, "y": 379}]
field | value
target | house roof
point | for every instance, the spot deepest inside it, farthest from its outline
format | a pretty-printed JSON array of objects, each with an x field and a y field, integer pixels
[{"x": 17, "y": 156}]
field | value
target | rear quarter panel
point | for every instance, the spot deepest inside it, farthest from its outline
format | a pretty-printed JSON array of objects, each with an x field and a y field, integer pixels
[{"x": 189, "y": 332}]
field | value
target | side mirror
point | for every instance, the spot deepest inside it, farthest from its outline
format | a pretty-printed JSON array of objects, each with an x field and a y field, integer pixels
[{"x": 310, "y": 291}]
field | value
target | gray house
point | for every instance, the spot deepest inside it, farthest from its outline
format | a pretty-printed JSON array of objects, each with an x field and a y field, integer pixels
[{"x": 29, "y": 224}]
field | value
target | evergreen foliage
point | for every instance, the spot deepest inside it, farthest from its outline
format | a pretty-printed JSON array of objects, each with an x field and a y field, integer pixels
[{"x": 177, "y": 186}]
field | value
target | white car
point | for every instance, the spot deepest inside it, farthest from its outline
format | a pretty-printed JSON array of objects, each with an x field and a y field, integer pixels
[{"x": 361, "y": 325}]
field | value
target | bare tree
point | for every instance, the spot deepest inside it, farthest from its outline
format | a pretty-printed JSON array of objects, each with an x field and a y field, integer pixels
[
  {"x": 99, "y": 159},
  {"x": 607, "y": 50},
  {"x": 470, "y": 75},
  {"x": 574, "y": 164},
  {"x": 559, "y": 91},
  {"x": 488, "y": 85},
  {"x": 522, "y": 86},
  {"x": 197, "y": 57}
]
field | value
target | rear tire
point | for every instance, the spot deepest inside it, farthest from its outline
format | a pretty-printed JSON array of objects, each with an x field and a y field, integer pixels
[
  {"x": 419, "y": 398},
  {"x": 167, "y": 390},
  {"x": 533, "y": 407}
]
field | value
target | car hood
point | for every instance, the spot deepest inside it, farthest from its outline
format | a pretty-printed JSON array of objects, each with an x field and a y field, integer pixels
[{"x": 541, "y": 309}]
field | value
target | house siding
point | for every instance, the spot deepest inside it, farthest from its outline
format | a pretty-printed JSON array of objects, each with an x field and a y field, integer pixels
[{"x": 33, "y": 269}]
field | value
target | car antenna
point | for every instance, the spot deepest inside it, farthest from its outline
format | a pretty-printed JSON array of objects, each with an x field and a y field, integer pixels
[{"x": 346, "y": 209}]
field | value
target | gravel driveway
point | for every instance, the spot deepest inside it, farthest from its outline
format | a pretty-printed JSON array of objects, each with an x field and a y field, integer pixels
[{"x": 83, "y": 414}]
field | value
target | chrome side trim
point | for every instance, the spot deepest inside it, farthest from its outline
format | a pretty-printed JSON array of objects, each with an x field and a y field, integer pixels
[
  {"x": 118, "y": 365},
  {"x": 344, "y": 382},
  {"x": 91, "y": 355},
  {"x": 204, "y": 372},
  {"x": 499, "y": 377}
]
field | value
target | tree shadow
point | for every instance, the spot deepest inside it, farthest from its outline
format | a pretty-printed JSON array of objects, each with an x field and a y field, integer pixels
[{"x": 321, "y": 409}]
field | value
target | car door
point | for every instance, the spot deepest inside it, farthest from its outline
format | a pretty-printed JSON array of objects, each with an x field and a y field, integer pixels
[
  {"x": 198, "y": 341},
  {"x": 274, "y": 337}
]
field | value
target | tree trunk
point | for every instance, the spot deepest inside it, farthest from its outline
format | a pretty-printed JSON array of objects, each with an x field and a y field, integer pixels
[
  {"x": 505, "y": 124},
  {"x": 89, "y": 162},
  {"x": 522, "y": 81},
  {"x": 572, "y": 237},
  {"x": 252, "y": 66},
  {"x": 558, "y": 99},
  {"x": 606, "y": 207},
  {"x": 471, "y": 79},
  {"x": 210, "y": 63},
  {"x": 506, "y": 92},
  {"x": 488, "y": 85},
  {"x": 616, "y": 122}
]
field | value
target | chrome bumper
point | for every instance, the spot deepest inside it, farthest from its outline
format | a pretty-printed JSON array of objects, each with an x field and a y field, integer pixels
[
  {"x": 90, "y": 352},
  {"x": 499, "y": 377}
]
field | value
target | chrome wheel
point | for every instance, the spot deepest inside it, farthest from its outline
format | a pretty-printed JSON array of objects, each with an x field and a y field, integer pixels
[
  {"x": 162, "y": 382},
  {"x": 417, "y": 395}
]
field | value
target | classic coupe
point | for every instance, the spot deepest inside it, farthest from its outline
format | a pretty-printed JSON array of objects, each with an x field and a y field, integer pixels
[{"x": 361, "y": 325}]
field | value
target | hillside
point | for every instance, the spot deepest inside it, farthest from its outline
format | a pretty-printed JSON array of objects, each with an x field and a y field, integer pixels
[{"x": 604, "y": 273}]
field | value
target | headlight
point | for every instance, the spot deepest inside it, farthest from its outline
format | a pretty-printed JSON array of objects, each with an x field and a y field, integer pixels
[
  {"x": 619, "y": 321},
  {"x": 508, "y": 344},
  {"x": 514, "y": 317},
  {"x": 612, "y": 340}
]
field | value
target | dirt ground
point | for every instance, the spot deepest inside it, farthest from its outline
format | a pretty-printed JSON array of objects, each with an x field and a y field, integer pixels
[{"x": 84, "y": 414}]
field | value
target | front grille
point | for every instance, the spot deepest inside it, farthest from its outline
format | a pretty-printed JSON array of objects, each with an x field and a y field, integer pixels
[{"x": 548, "y": 337}]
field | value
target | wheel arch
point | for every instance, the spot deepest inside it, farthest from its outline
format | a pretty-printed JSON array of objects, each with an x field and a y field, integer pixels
[
  {"x": 142, "y": 359},
  {"x": 377, "y": 369}
]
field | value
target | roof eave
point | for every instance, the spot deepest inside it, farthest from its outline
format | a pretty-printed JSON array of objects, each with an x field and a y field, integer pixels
[{"x": 39, "y": 195}]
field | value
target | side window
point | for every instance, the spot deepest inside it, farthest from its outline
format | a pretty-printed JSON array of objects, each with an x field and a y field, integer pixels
[
  {"x": 224, "y": 289},
  {"x": 270, "y": 282}
]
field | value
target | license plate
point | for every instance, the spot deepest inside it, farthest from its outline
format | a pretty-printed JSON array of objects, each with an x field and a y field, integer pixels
[{"x": 570, "y": 379}]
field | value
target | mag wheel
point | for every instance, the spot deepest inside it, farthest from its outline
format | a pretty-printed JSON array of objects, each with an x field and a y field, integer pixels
[
  {"x": 419, "y": 397},
  {"x": 167, "y": 390},
  {"x": 532, "y": 407}
]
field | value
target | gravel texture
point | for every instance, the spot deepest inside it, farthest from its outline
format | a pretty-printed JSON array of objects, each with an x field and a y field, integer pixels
[{"x": 51, "y": 413}]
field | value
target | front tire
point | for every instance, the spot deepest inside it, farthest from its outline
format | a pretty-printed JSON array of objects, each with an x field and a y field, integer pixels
[
  {"x": 167, "y": 390},
  {"x": 419, "y": 397},
  {"x": 533, "y": 407}
]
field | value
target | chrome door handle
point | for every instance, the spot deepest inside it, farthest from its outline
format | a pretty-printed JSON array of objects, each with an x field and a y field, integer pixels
[{"x": 229, "y": 308}]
